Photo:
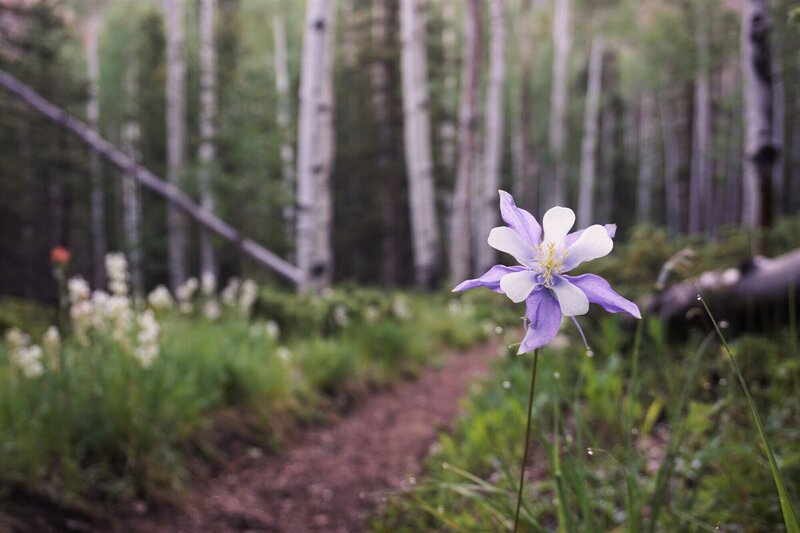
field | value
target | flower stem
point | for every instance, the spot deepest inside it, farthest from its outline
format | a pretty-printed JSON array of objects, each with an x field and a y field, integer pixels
[{"x": 527, "y": 438}]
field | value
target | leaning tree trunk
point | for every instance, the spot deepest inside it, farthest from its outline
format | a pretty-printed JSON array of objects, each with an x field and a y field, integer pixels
[
  {"x": 283, "y": 116},
  {"x": 97, "y": 223},
  {"x": 525, "y": 186},
  {"x": 148, "y": 179},
  {"x": 177, "y": 229},
  {"x": 647, "y": 158},
  {"x": 419, "y": 162},
  {"x": 562, "y": 44},
  {"x": 760, "y": 149},
  {"x": 591, "y": 125},
  {"x": 493, "y": 137},
  {"x": 208, "y": 116},
  {"x": 700, "y": 178},
  {"x": 315, "y": 145},
  {"x": 131, "y": 196},
  {"x": 460, "y": 223}
]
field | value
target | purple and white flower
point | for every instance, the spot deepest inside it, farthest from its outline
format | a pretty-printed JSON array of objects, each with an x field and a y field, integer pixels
[{"x": 544, "y": 258}]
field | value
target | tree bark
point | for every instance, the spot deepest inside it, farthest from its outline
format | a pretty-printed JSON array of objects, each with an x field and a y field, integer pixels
[
  {"x": 283, "y": 115},
  {"x": 794, "y": 195},
  {"x": 591, "y": 125},
  {"x": 493, "y": 137},
  {"x": 208, "y": 117},
  {"x": 700, "y": 179},
  {"x": 760, "y": 149},
  {"x": 419, "y": 162},
  {"x": 97, "y": 218},
  {"x": 176, "y": 137},
  {"x": 131, "y": 197},
  {"x": 447, "y": 127},
  {"x": 562, "y": 45},
  {"x": 609, "y": 142},
  {"x": 647, "y": 158},
  {"x": 525, "y": 185},
  {"x": 148, "y": 179},
  {"x": 778, "y": 114},
  {"x": 672, "y": 166},
  {"x": 460, "y": 222},
  {"x": 315, "y": 146}
]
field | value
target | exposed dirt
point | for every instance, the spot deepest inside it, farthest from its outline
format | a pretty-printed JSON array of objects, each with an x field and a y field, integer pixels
[{"x": 332, "y": 477}]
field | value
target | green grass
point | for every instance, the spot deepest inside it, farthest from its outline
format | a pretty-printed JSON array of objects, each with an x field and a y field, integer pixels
[{"x": 103, "y": 427}]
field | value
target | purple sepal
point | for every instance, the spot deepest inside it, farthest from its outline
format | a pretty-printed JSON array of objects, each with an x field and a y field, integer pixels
[
  {"x": 490, "y": 280},
  {"x": 544, "y": 315},
  {"x": 600, "y": 292},
  {"x": 520, "y": 220}
]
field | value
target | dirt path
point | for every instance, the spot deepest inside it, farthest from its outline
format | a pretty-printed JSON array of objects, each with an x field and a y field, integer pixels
[{"x": 331, "y": 478}]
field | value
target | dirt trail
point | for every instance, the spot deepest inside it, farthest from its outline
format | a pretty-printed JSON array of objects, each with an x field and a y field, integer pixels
[{"x": 330, "y": 479}]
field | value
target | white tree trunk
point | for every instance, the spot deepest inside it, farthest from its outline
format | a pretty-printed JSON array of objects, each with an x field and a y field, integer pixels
[
  {"x": 447, "y": 127},
  {"x": 315, "y": 146},
  {"x": 672, "y": 166},
  {"x": 176, "y": 137},
  {"x": 760, "y": 149},
  {"x": 98, "y": 232},
  {"x": 591, "y": 125},
  {"x": 468, "y": 116},
  {"x": 525, "y": 185},
  {"x": 562, "y": 45},
  {"x": 419, "y": 162},
  {"x": 131, "y": 197},
  {"x": 493, "y": 137},
  {"x": 700, "y": 179},
  {"x": 283, "y": 115},
  {"x": 609, "y": 146},
  {"x": 647, "y": 158},
  {"x": 208, "y": 117},
  {"x": 778, "y": 125}
]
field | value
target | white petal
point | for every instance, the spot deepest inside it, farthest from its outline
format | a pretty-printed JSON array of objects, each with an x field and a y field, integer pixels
[
  {"x": 572, "y": 300},
  {"x": 518, "y": 285},
  {"x": 507, "y": 240},
  {"x": 557, "y": 222},
  {"x": 594, "y": 242}
]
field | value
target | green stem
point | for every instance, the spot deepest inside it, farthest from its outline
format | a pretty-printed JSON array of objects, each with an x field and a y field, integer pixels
[
  {"x": 789, "y": 516},
  {"x": 527, "y": 438}
]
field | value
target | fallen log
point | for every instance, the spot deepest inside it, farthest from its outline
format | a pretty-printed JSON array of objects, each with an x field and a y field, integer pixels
[
  {"x": 761, "y": 287},
  {"x": 149, "y": 179}
]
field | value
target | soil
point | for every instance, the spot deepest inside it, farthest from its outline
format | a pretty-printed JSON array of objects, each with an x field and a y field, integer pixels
[{"x": 332, "y": 477}]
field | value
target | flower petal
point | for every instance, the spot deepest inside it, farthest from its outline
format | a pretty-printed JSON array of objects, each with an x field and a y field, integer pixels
[
  {"x": 518, "y": 285},
  {"x": 570, "y": 239},
  {"x": 557, "y": 222},
  {"x": 572, "y": 300},
  {"x": 490, "y": 280},
  {"x": 507, "y": 240},
  {"x": 594, "y": 242},
  {"x": 598, "y": 291},
  {"x": 544, "y": 315},
  {"x": 520, "y": 220}
]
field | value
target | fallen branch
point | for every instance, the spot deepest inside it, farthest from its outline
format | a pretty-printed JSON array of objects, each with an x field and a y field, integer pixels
[
  {"x": 760, "y": 282},
  {"x": 148, "y": 179}
]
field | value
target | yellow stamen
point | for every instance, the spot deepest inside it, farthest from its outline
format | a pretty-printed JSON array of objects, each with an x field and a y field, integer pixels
[{"x": 550, "y": 261}]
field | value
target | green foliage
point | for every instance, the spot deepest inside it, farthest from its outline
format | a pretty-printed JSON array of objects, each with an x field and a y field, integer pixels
[{"x": 25, "y": 314}]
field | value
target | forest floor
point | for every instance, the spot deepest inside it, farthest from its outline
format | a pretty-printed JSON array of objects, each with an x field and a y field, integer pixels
[{"x": 332, "y": 477}]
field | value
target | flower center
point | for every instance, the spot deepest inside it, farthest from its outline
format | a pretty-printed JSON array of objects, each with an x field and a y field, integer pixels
[{"x": 550, "y": 259}]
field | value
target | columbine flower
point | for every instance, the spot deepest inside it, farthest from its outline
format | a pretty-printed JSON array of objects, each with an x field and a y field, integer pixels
[{"x": 540, "y": 280}]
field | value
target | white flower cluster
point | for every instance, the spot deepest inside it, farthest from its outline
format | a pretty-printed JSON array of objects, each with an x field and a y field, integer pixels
[
  {"x": 23, "y": 354},
  {"x": 269, "y": 329},
  {"x": 99, "y": 314},
  {"x": 230, "y": 292},
  {"x": 340, "y": 316},
  {"x": 147, "y": 350},
  {"x": 371, "y": 314},
  {"x": 208, "y": 283},
  {"x": 185, "y": 292},
  {"x": 160, "y": 298},
  {"x": 247, "y": 298},
  {"x": 400, "y": 308},
  {"x": 212, "y": 310},
  {"x": 117, "y": 273},
  {"x": 51, "y": 342}
]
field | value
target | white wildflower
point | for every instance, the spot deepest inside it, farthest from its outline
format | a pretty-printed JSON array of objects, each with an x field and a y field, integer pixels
[
  {"x": 230, "y": 292},
  {"x": 186, "y": 308},
  {"x": 160, "y": 298},
  {"x": 51, "y": 342},
  {"x": 340, "y": 316},
  {"x": 25, "y": 356},
  {"x": 78, "y": 289},
  {"x": 117, "y": 273},
  {"x": 272, "y": 329},
  {"x": 248, "y": 296},
  {"x": 400, "y": 308},
  {"x": 284, "y": 353},
  {"x": 185, "y": 292},
  {"x": 371, "y": 313},
  {"x": 147, "y": 348},
  {"x": 208, "y": 283},
  {"x": 211, "y": 310}
]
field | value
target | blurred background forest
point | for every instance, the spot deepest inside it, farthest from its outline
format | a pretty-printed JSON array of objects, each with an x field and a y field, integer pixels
[{"x": 632, "y": 112}]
